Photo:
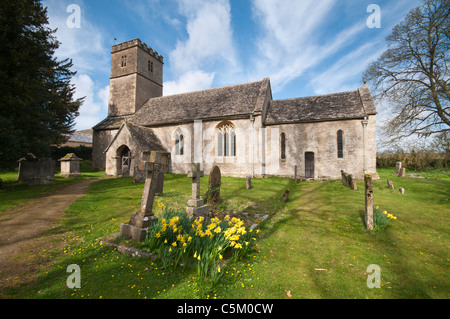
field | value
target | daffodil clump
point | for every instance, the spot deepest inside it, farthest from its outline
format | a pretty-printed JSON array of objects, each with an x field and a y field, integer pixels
[
  {"x": 177, "y": 239},
  {"x": 381, "y": 218}
]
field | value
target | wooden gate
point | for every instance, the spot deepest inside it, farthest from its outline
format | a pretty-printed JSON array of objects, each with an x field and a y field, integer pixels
[{"x": 126, "y": 161}]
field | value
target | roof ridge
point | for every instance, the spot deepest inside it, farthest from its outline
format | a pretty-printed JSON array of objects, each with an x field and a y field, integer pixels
[
  {"x": 204, "y": 90},
  {"x": 319, "y": 95}
]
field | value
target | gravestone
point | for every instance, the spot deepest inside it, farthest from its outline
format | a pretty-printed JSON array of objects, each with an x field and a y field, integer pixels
[
  {"x": 248, "y": 182},
  {"x": 136, "y": 229},
  {"x": 368, "y": 187},
  {"x": 401, "y": 190},
  {"x": 390, "y": 184},
  {"x": 36, "y": 171},
  {"x": 398, "y": 168},
  {"x": 285, "y": 196},
  {"x": 70, "y": 165},
  {"x": 196, "y": 205},
  {"x": 215, "y": 178},
  {"x": 403, "y": 172},
  {"x": 348, "y": 180}
]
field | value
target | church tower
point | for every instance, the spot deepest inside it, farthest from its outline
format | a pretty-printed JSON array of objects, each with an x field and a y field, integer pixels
[{"x": 136, "y": 76}]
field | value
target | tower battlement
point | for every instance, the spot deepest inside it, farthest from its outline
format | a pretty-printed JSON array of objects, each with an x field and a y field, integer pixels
[{"x": 137, "y": 42}]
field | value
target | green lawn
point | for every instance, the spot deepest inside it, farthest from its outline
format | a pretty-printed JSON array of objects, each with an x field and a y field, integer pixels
[
  {"x": 14, "y": 192},
  {"x": 313, "y": 246}
]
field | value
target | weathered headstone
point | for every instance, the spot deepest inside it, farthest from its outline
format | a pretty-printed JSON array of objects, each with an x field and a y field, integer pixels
[
  {"x": 285, "y": 196},
  {"x": 215, "y": 178},
  {"x": 136, "y": 229},
  {"x": 390, "y": 184},
  {"x": 196, "y": 205},
  {"x": 36, "y": 171},
  {"x": 403, "y": 172},
  {"x": 398, "y": 168},
  {"x": 70, "y": 165},
  {"x": 401, "y": 190},
  {"x": 348, "y": 180},
  {"x": 368, "y": 187},
  {"x": 248, "y": 182}
]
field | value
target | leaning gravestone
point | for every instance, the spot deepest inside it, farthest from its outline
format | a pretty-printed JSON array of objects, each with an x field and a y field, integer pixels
[
  {"x": 390, "y": 184},
  {"x": 215, "y": 178},
  {"x": 348, "y": 180},
  {"x": 136, "y": 229}
]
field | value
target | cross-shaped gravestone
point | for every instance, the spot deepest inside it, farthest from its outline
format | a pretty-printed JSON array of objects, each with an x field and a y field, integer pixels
[
  {"x": 137, "y": 227},
  {"x": 195, "y": 204}
]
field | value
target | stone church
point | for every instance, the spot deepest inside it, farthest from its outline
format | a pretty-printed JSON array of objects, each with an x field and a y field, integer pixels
[{"x": 240, "y": 127}]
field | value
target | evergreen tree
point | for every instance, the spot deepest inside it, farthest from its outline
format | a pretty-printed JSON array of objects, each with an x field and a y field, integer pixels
[{"x": 37, "y": 107}]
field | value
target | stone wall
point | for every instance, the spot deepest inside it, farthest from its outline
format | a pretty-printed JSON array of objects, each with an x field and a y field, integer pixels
[
  {"x": 258, "y": 148},
  {"x": 101, "y": 140}
]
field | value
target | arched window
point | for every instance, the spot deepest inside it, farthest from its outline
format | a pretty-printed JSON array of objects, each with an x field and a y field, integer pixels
[
  {"x": 283, "y": 146},
  {"x": 179, "y": 143},
  {"x": 226, "y": 140},
  {"x": 124, "y": 60},
  {"x": 340, "y": 144}
]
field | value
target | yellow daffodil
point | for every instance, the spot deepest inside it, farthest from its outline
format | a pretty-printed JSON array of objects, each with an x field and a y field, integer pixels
[{"x": 220, "y": 257}]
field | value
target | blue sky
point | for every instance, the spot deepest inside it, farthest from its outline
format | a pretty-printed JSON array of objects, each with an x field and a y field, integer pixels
[{"x": 306, "y": 47}]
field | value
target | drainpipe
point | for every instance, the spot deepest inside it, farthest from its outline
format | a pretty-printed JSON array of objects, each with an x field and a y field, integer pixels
[
  {"x": 364, "y": 124},
  {"x": 252, "y": 120}
]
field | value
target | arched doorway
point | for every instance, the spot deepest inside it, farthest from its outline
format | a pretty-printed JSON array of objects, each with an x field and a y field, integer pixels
[{"x": 125, "y": 160}]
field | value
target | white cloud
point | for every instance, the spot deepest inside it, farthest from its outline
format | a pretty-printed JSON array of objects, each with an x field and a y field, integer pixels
[
  {"x": 85, "y": 46},
  {"x": 293, "y": 39},
  {"x": 209, "y": 46},
  {"x": 340, "y": 76},
  {"x": 188, "y": 82},
  {"x": 95, "y": 103}
]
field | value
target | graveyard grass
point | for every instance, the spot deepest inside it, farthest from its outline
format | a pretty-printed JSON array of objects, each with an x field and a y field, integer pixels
[{"x": 313, "y": 246}]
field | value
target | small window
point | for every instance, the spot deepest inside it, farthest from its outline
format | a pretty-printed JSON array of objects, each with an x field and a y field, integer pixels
[
  {"x": 340, "y": 144},
  {"x": 219, "y": 144},
  {"x": 179, "y": 144},
  {"x": 124, "y": 60},
  {"x": 283, "y": 146},
  {"x": 150, "y": 66}
]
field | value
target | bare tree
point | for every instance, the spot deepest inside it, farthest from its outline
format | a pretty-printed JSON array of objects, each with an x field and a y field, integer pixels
[{"x": 412, "y": 75}]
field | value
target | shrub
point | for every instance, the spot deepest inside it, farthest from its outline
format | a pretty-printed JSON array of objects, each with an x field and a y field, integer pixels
[
  {"x": 179, "y": 240},
  {"x": 381, "y": 219}
]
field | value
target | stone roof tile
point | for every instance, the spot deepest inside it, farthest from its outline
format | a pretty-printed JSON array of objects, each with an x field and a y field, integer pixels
[{"x": 337, "y": 106}]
